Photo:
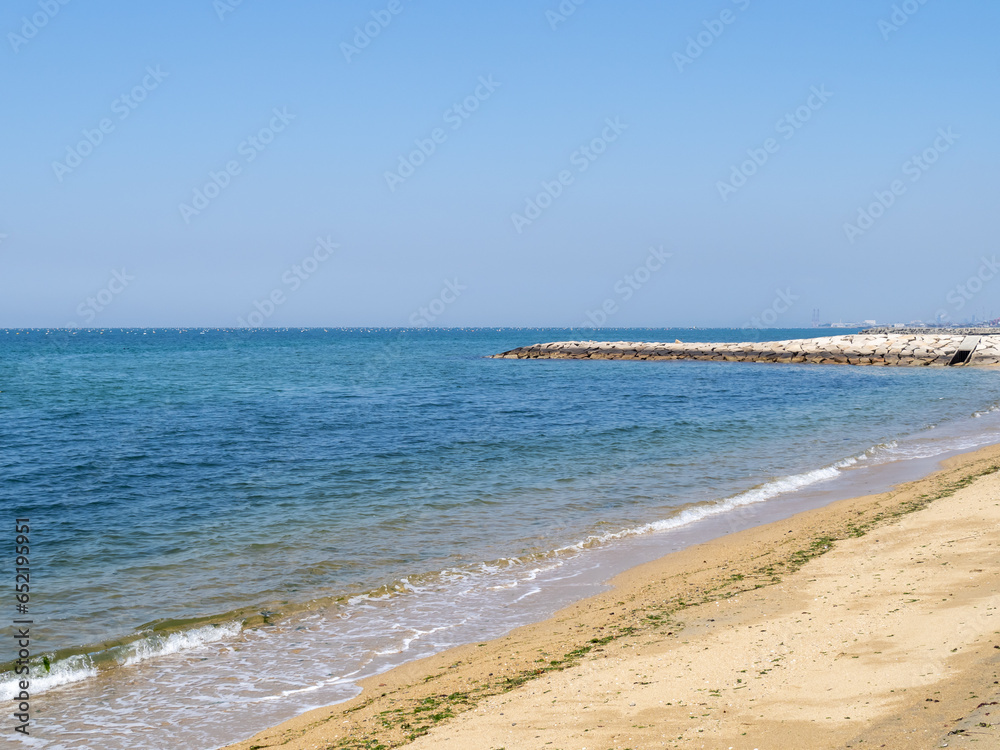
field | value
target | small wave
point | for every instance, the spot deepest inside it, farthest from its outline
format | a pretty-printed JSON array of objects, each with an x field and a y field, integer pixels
[
  {"x": 525, "y": 569},
  {"x": 79, "y": 667},
  {"x": 154, "y": 646},
  {"x": 63, "y": 672},
  {"x": 766, "y": 491},
  {"x": 880, "y": 452}
]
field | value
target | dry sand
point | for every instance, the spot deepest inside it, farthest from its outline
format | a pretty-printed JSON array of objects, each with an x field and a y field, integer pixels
[{"x": 872, "y": 622}]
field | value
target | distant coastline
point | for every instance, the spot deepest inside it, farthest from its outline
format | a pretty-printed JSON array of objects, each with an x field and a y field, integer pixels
[{"x": 917, "y": 331}]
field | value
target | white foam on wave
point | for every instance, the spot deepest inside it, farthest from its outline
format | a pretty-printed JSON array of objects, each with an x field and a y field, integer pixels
[
  {"x": 64, "y": 672},
  {"x": 307, "y": 689},
  {"x": 416, "y": 635},
  {"x": 82, "y": 666},
  {"x": 762, "y": 493},
  {"x": 993, "y": 408},
  {"x": 183, "y": 640}
]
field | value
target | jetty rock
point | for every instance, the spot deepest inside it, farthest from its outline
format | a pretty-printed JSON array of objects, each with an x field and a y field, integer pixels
[{"x": 886, "y": 349}]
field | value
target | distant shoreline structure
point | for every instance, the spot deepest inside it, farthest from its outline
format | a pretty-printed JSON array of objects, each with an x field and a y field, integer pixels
[
  {"x": 967, "y": 331},
  {"x": 893, "y": 349}
]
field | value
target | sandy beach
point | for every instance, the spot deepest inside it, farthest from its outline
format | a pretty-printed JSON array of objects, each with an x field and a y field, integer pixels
[{"x": 871, "y": 622}]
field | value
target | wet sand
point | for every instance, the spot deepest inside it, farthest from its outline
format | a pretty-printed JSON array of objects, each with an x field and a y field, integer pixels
[{"x": 871, "y": 622}]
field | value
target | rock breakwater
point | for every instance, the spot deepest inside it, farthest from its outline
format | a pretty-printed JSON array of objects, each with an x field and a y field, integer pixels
[{"x": 892, "y": 349}]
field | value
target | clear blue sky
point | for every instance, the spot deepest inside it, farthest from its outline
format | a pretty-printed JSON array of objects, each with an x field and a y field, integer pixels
[{"x": 442, "y": 239}]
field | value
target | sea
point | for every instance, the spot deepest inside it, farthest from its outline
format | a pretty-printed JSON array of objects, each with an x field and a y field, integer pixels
[{"x": 231, "y": 527}]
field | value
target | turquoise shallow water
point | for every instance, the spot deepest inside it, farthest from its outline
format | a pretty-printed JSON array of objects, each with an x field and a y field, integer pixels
[{"x": 377, "y": 489}]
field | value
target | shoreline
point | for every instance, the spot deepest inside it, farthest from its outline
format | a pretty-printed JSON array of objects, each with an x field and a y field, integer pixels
[{"x": 448, "y": 693}]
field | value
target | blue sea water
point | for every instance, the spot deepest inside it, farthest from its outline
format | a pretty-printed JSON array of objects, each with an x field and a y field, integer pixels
[{"x": 239, "y": 524}]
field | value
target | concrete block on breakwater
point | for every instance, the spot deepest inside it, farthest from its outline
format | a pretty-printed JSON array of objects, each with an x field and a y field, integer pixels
[{"x": 890, "y": 349}]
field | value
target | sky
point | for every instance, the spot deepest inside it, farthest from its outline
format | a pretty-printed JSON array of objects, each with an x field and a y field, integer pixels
[{"x": 526, "y": 163}]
